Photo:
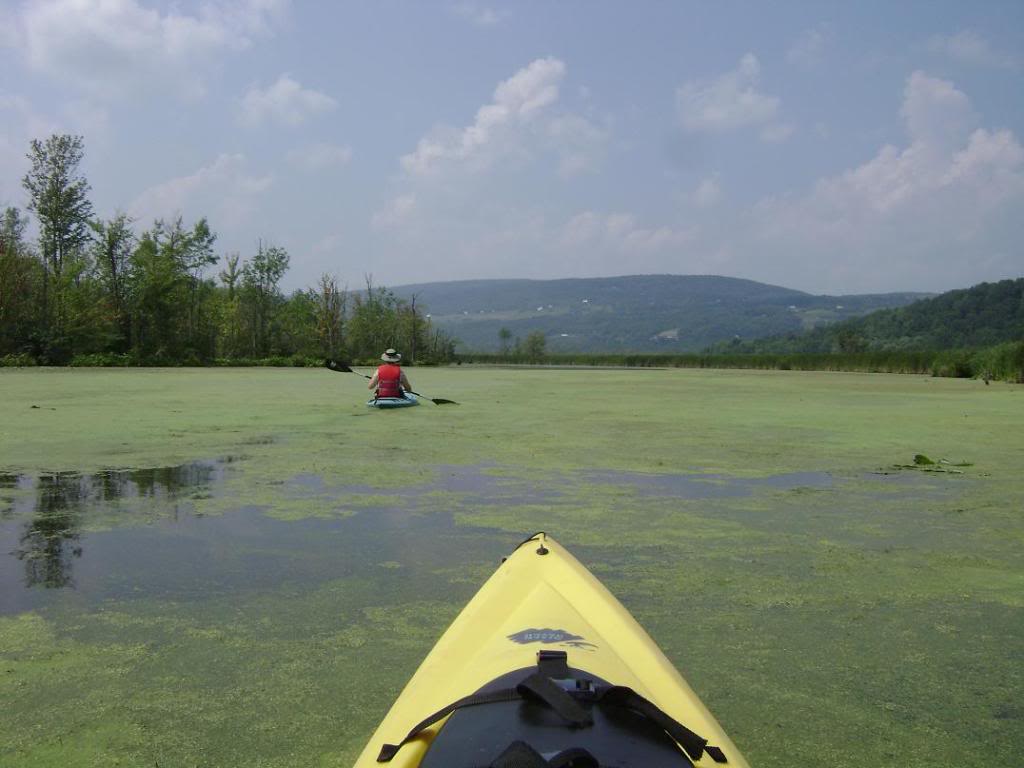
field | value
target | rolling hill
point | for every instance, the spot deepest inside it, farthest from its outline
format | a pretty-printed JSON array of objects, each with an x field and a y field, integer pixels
[
  {"x": 637, "y": 313},
  {"x": 979, "y": 316}
]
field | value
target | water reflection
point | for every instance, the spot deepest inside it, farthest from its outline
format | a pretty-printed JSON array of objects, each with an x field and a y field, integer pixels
[
  {"x": 50, "y": 540},
  {"x": 58, "y": 502}
]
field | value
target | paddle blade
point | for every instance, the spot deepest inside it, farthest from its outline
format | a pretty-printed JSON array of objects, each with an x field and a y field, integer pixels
[
  {"x": 434, "y": 400},
  {"x": 340, "y": 367}
]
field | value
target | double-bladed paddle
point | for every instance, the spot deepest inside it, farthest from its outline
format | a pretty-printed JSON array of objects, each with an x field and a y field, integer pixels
[{"x": 342, "y": 368}]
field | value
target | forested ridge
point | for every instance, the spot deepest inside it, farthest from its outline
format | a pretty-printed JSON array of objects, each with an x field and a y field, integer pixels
[
  {"x": 981, "y": 316},
  {"x": 95, "y": 291},
  {"x": 632, "y": 313}
]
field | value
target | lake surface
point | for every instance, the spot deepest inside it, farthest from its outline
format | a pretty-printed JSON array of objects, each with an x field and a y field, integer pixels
[{"x": 244, "y": 567}]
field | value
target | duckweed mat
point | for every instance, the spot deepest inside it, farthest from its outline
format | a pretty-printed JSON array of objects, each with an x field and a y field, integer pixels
[{"x": 243, "y": 567}]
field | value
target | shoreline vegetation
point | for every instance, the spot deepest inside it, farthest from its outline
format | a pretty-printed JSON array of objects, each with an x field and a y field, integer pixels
[{"x": 1001, "y": 362}]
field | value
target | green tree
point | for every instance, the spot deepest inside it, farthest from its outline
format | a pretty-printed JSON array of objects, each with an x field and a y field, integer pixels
[
  {"x": 230, "y": 341},
  {"x": 156, "y": 295},
  {"x": 504, "y": 342},
  {"x": 330, "y": 317},
  {"x": 58, "y": 195},
  {"x": 261, "y": 295},
  {"x": 188, "y": 253},
  {"x": 20, "y": 277},
  {"x": 112, "y": 247},
  {"x": 535, "y": 346}
]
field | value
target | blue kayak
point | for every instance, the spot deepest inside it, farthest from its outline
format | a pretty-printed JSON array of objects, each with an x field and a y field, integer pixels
[{"x": 393, "y": 402}]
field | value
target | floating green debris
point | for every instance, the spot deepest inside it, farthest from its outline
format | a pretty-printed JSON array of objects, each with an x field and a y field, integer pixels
[{"x": 924, "y": 464}]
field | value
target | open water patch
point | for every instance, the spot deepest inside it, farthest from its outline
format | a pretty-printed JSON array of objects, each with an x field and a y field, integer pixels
[
  {"x": 484, "y": 483},
  {"x": 492, "y": 484},
  {"x": 45, "y": 517},
  {"x": 76, "y": 537},
  {"x": 706, "y": 486}
]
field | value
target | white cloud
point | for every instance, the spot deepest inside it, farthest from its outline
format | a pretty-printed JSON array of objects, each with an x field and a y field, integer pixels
[
  {"x": 328, "y": 245},
  {"x": 968, "y": 47},
  {"x": 114, "y": 49},
  {"x": 478, "y": 14},
  {"x": 729, "y": 102},
  {"x": 619, "y": 232},
  {"x": 517, "y": 102},
  {"x": 775, "y": 132},
  {"x": 809, "y": 48},
  {"x": 397, "y": 212},
  {"x": 322, "y": 156},
  {"x": 579, "y": 143},
  {"x": 285, "y": 101},
  {"x": 951, "y": 193},
  {"x": 937, "y": 115},
  {"x": 225, "y": 191},
  {"x": 708, "y": 192}
]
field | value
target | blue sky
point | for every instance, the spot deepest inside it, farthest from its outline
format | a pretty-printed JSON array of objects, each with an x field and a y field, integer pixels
[{"x": 831, "y": 147}]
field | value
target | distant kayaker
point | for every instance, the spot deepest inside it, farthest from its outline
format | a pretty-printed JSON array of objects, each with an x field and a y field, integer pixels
[{"x": 390, "y": 380}]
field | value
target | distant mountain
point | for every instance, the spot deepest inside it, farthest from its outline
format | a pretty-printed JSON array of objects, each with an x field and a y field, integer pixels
[
  {"x": 980, "y": 316},
  {"x": 638, "y": 313}
]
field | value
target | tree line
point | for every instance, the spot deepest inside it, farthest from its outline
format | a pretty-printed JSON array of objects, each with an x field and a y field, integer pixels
[
  {"x": 1000, "y": 361},
  {"x": 95, "y": 291}
]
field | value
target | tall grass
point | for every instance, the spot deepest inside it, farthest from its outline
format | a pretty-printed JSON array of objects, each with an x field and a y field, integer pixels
[{"x": 1004, "y": 361}]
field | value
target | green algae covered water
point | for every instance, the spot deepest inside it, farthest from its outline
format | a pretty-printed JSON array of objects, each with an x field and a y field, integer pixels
[{"x": 243, "y": 567}]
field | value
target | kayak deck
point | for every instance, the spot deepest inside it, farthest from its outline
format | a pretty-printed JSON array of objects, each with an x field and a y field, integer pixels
[{"x": 541, "y": 599}]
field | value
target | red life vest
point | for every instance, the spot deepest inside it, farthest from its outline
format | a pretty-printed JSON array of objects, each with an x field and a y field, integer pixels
[{"x": 388, "y": 378}]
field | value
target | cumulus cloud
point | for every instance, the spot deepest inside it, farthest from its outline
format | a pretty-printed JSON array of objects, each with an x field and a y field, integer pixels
[
  {"x": 478, "y": 14},
  {"x": 115, "y": 48},
  {"x": 321, "y": 156},
  {"x": 578, "y": 142},
  {"x": 948, "y": 195},
  {"x": 968, "y": 47},
  {"x": 399, "y": 210},
  {"x": 517, "y": 102},
  {"x": 730, "y": 101},
  {"x": 225, "y": 191},
  {"x": 708, "y": 192},
  {"x": 285, "y": 101},
  {"x": 619, "y": 231},
  {"x": 937, "y": 115},
  {"x": 809, "y": 48}
]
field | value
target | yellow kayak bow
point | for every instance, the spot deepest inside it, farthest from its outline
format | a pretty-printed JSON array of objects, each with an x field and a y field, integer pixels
[{"x": 545, "y": 667}]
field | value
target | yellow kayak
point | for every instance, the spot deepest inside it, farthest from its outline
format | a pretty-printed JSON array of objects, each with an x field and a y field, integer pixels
[{"x": 544, "y": 667}]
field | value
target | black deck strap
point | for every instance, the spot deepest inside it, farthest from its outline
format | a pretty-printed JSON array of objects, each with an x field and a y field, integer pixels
[
  {"x": 388, "y": 751},
  {"x": 519, "y": 754},
  {"x": 694, "y": 746},
  {"x": 536, "y": 687},
  {"x": 553, "y": 664},
  {"x": 539, "y": 686},
  {"x": 575, "y": 757},
  {"x": 538, "y": 536}
]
